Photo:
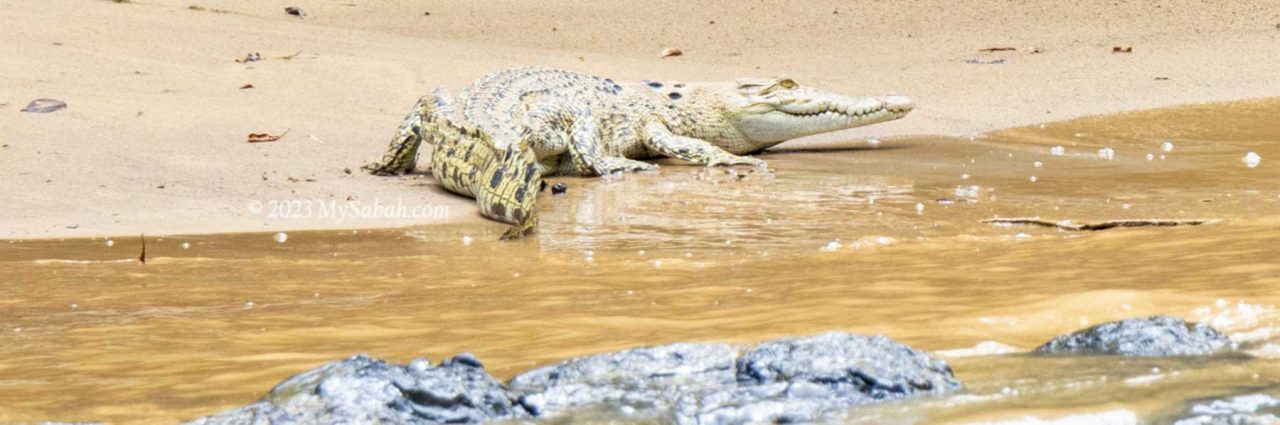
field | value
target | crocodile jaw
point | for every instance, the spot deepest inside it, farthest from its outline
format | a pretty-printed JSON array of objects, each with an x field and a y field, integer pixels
[{"x": 771, "y": 123}]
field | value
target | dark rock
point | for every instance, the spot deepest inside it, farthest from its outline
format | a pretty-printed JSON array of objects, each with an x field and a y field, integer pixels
[
  {"x": 296, "y": 11},
  {"x": 365, "y": 390},
  {"x": 1148, "y": 337},
  {"x": 641, "y": 379},
  {"x": 559, "y": 188},
  {"x": 784, "y": 381}
]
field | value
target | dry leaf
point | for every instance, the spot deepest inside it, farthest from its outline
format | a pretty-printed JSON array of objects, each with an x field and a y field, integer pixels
[
  {"x": 1118, "y": 49},
  {"x": 670, "y": 51},
  {"x": 265, "y": 137},
  {"x": 997, "y": 49},
  {"x": 246, "y": 86}
]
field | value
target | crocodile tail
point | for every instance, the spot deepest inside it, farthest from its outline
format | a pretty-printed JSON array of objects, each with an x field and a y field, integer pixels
[{"x": 508, "y": 189}]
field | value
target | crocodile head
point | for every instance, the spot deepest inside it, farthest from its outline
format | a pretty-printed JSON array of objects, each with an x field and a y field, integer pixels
[{"x": 769, "y": 111}]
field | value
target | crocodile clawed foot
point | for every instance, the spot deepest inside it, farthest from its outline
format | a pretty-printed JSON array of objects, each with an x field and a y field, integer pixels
[
  {"x": 739, "y": 160},
  {"x": 615, "y": 165},
  {"x": 387, "y": 169},
  {"x": 519, "y": 231}
]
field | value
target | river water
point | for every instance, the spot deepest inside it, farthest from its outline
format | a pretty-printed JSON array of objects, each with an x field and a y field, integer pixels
[{"x": 885, "y": 239}]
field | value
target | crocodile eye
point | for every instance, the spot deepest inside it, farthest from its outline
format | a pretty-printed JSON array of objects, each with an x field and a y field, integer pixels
[{"x": 788, "y": 84}]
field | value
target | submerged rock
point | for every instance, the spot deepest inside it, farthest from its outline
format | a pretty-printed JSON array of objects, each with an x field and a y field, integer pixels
[
  {"x": 1148, "y": 337},
  {"x": 1248, "y": 409},
  {"x": 790, "y": 380}
]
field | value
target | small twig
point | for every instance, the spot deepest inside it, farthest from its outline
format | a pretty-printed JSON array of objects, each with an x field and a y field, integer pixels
[{"x": 1093, "y": 227}]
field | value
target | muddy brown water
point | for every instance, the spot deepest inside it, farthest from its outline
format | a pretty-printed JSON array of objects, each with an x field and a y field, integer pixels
[{"x": 884, "y": 240}]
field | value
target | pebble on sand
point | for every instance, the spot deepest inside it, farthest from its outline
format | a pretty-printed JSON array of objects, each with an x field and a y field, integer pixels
[{"x": 44, "y": 106}]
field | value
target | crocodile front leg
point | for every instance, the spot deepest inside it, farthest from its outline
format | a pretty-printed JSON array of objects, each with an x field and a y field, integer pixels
[
  {"x": 585, "y": 148},
  {"x": 690, "y": 149}
]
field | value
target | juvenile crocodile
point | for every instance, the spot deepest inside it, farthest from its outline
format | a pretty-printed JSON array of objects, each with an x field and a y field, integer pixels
[{"x": 511, "y": 128}]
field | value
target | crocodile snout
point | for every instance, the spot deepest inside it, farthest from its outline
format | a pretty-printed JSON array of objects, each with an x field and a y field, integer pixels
[{"x": 901, "y": 104}]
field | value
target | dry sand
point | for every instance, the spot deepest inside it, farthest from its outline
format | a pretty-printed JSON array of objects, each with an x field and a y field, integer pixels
[{"x": 154, "y": 138}]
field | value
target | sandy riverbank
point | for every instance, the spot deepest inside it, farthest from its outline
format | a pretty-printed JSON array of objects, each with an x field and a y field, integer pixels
[{"x": 154, "y": 138}]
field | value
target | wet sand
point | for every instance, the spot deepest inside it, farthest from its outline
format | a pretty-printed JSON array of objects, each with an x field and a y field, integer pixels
[
  {"x": 154, "y": 138},
  {"x": 878, "y": 241}
]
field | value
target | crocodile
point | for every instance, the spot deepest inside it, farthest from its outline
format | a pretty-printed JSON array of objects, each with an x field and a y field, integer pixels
[{"x": 504, "y": 133}]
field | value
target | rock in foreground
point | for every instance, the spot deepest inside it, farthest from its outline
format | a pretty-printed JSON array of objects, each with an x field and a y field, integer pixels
[
  {"x": 784, "y": 381},
  {"x": 365, "y": 390},
  {"x": 789, "y": 380},
  {"x": 1146, "y": 337}
]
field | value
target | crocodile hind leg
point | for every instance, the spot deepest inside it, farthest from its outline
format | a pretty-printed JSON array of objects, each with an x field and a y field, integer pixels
[
  {"x": 508, "y": 187},
  {"x": 693, "y": 150},
  {"x": 402, "y": 154}
]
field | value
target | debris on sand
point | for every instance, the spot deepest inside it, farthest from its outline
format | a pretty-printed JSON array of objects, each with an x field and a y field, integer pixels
[
  {"x": 670, "y": 51},
  {"x": 982, "y": 62},
  {"x": 246, "y": 86},
  {"x": 1122, "y": 49},
  {"x": 265, "y": 137},
  {"x": 44, "y": 106},
  {"x": 255, "y": 57},
  {"x": 1069, "y": 225},
  {"x": 997, "y": 49},
  {"x": 559, "y": 188},
  {"x": 296, "y": 11},
  {"x": 199, "y": 8}
]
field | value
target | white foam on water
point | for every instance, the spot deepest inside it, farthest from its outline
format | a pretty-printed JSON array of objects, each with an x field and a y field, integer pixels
[
  {"x": 984, "y": 348},
  {"x": 63, "y": 261},
  {"x": 1109, "y": 417},
  {"x": 871, "y": 242},
  {"x": 1107, "y": 153},
  {"x": 1238, "y": 409},
  {"x": 1058, "y": 151},
  {"x": 1252, "y": 159},
  {"x": 1241, "y": 321},
  {"x": 1266, "y": 351},
  {"x": 1167, "y": 146}
]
